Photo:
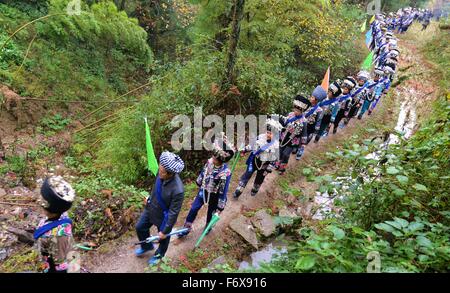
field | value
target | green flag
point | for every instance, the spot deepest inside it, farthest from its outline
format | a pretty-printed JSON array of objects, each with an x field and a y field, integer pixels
[
  {"x": 211, "y": 224},
  {"x": 367, "y": 64},
  {"x": 151, "y": 159},
  {"x": 237, "y": 157},
  {"x": 363, "y": 27}
]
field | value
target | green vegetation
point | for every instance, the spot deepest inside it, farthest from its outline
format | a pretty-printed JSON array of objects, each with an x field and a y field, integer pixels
[
  {"x": 180, "y": 50},
  {"x": 398, "y": 209},
  {"x": 14, "y": 164},
  {"x": 52, "y": 124},
  {"x": 24, "y": 262},
  {"x": 108, "y": 49},
  {"x": 284, "y": 48}
]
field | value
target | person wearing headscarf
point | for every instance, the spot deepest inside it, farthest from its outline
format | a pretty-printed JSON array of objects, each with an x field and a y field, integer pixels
[
  {"x": 314, "y": 120},
  {"x": 162, "y": 206},
  {"x": 380, "y": 89},
  {"x": 53, "y": 235},
  {"x": 369, "y": 95},
  {"x": 334, "y": 91},
  {"x": 426, "y": 19},
  {"x": 294, "y": 133},
  {"x": 389, "y": 70},
  {"x": 358, "y": 93},
  {"x": 213, "y": 183},
  {"x": 264, "y": 153},
  {"x": 340, "y": 108}
]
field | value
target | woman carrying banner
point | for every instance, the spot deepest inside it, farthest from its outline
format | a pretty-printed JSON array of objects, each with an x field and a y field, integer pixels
[{"x": 162, "y": 206}]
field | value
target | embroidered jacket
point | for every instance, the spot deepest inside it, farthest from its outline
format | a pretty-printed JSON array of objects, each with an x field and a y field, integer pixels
[
  {"x": 215, "y": 180},
  {"x": 294, "y": 133},
  {"x": 54, "y": 245},
  {"x": 270, "y": 154}
]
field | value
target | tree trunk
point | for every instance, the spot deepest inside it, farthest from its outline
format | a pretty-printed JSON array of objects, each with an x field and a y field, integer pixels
[
  {"x": 238, "y": 14},
  {"x": 122, "y": 5}
]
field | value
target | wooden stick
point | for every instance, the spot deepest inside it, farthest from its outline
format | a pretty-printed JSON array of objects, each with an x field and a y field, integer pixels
[
  {"x": 78, "y": 101},
  {"x": 104, "y": 118},
  {"x": 20, "y": 199},
  {"x": 118, "y": 98},
  {"x": 18, "y": 204},
  {"x": 27, "y": 24},
  {"x": 26, "y": 54}
]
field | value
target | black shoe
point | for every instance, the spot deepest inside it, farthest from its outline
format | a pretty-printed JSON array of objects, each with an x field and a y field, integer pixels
[
  {"x": 255, "y": 189},
  {"x": 184, "y": 234},
  {"x": 237, "y": 193}
]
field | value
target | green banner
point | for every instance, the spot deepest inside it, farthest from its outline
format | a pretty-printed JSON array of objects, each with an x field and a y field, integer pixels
[
  {"x": 211, "y": 224},
  {"x": 151, "y": 159},
  {"x": 367, "y": 64}
]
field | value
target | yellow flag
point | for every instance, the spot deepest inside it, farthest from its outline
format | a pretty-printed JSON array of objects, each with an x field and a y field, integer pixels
[{"x": 363, "y": 26}]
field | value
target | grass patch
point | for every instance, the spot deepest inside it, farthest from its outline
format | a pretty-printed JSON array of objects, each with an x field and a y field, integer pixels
[{"x": 26, "y": 260}]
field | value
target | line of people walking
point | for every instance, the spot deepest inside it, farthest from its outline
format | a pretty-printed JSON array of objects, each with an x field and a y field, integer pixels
[{"x": 313, "y": 117}]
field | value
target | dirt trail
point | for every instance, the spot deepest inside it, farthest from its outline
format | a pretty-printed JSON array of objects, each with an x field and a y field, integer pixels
[
  {"x": 120, "y": 257},
  {"x": 414, "y": 95}
]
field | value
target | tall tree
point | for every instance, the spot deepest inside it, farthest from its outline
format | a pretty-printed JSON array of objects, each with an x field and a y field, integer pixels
[{"x": 238, "y": 14}]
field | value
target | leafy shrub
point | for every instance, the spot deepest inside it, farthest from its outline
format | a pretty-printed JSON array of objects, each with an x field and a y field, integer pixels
[
  {"x": 104, "y": 208},
  {"x": 395, "y": 206},
  {"x": 10, "y": 53},
  {"x": 417, "y": 246},
  {"x": 52, "y": 124},
  {"x": 108, "y": 49},
  {"x": 270, "y": 70}
]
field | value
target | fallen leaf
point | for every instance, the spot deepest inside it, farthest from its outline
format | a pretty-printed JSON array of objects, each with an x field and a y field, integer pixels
[
  {"x": 107, "y": 193},
  {"x": 109, "y": 214},
  {"x": 214, "y": 89},
  {"x": 234, "y": 90}
]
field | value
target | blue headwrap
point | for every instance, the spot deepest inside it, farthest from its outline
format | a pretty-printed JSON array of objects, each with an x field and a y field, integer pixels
[
  {"x": 319, "y": 93},
  {"x": 171, "y": 162}
]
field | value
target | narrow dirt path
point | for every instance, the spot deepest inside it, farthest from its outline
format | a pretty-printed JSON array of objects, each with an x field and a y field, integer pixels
[
  {"x": 414, "y": 95},
  {"x": 120, "y": 256}
]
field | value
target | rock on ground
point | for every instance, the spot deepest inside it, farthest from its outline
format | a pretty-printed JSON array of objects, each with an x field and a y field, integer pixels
[
  {"x": 264, "y": 223},
  {"x": 286, "y": 213},
  {"x": 242, "y": 226}
]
